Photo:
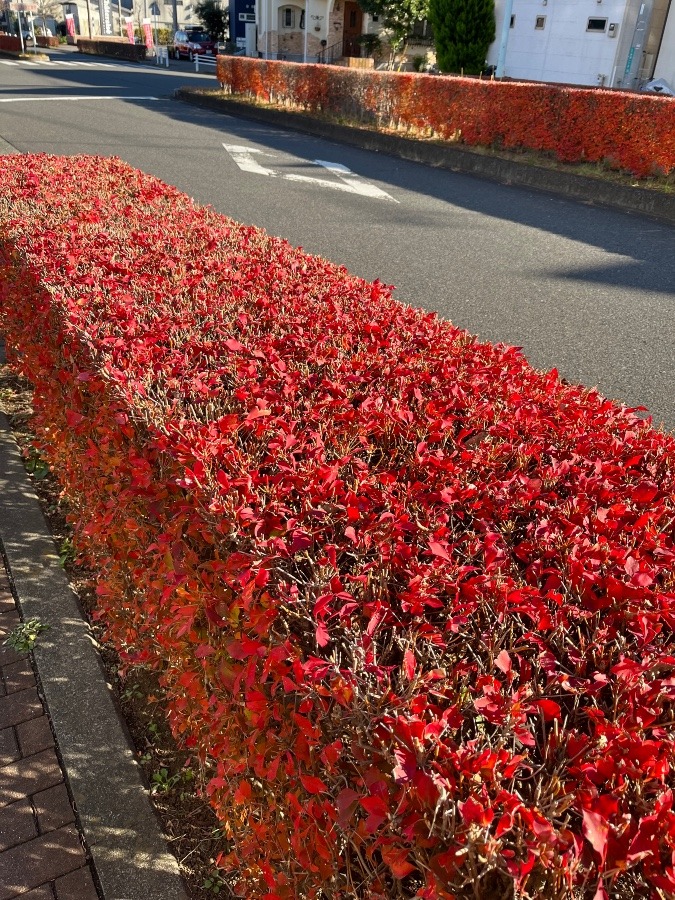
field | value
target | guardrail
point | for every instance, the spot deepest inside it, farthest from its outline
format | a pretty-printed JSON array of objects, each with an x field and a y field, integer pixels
[
  {"x": 162, "y": 56},
  {"x": 206, "y": 62}
]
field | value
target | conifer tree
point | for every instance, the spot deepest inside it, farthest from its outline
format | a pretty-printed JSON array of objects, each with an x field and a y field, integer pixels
[{"x": 463, "y": 30}]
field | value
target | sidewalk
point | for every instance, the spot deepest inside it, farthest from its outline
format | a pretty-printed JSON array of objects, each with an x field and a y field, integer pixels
[
  {"x": 75, "y": 818},
  {"x": 40, "y": 846}
]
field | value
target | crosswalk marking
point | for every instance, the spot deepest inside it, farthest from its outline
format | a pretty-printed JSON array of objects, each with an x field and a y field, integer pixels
[{"x": 40, "y": 63}]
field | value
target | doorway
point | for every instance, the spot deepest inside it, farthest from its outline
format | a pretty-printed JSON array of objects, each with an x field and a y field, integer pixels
[{"x": 352, "y": 28}]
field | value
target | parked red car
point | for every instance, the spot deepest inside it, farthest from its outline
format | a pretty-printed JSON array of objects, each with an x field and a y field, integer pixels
[{"x": 193, "y": 42}]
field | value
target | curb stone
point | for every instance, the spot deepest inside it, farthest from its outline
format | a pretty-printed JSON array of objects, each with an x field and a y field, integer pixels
[
  {"x": 446, "y": 156},
  {"x": 120, "y": 828}
]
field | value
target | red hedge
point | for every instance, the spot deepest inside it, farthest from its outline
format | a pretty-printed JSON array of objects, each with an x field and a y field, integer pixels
[
  {"x": 628, "y": 131},
  {"x": 412, "y": 602},
  {"x": 9, "y": 43}
]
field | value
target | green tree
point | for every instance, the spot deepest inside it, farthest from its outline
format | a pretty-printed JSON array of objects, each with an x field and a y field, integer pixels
[
  {"x": 212, "y": 17},
  {"x": 463, "y": 29},
  {"x": 397, "y": 17}
]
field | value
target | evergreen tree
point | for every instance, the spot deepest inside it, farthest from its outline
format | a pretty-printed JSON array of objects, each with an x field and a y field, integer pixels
[
  {"x": 213, "y": 17},
  {"x": 463, "y": 29}
]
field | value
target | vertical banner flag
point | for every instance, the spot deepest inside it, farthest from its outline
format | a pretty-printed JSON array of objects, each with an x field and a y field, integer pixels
[
  {"x": 147, "y": 32},
  {"x": 70, "y": 24},
  {"x": 130, "y": 29},
  {"x": 105, "y": 12}
]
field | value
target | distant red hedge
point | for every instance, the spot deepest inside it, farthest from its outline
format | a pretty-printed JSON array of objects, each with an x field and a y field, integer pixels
[
  {"x": 412, "y": 602},
  {"x": 10, "y": 44},
  {"x": 635, "y": 132}
]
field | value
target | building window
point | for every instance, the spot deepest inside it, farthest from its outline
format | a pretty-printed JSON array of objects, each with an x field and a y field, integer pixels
[
  {"x": 540, "y": 23},
  {"x": 287, "y": 17},
  {"x": 513, "y": 22},
  {"x": 596, "y": 25}
]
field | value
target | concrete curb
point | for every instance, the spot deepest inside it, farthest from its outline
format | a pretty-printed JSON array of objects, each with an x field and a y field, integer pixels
[
  {"x": 446, "y": 156},
  {"x": 120, "y": 828}
]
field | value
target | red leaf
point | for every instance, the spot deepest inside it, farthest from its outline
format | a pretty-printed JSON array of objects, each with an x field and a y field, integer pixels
[
  {"x": 439, "y": 550},
  {"x": 73, "y": 418},
  {"x": 313, "y": 785},
  {"x": 322, "y": 635},
  {"x": 596, "y": 830},
  {"x": 503, "y": 662},
  {"x": 550, "y": 709},
  {"x": 645, "y": 492},
  {"x": 409, "y": 664},
  {"x": 397, "y": 860},
  {"x": 243, "y": 792},
  {"x": 346, "y": 801},
  {"x": 262, "y": 578},
  {"x": 473, "y": 812}
]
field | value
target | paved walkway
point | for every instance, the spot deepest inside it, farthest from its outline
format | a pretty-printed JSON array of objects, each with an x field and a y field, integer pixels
[
  {"x": 75, "y": 817},
  {"x": 41, "y": 849}
]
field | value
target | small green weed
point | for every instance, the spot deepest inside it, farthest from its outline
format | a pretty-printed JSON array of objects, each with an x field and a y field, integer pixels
[
  {"x": 132, "y": 692},
  {"x": 213, "y": 882},
  {"x": 66, "y": 553},
  {"x": 22, "y": 638},
  {"x": 35, "y": 464},
  {"x": 163, "y": 782}
]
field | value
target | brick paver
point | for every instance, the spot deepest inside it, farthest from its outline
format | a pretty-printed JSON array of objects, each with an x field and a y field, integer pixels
[{"x": 41, "y": 851}]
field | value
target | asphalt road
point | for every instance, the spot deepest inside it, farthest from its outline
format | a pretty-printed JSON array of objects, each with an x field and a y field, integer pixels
[{"x": 584, "y": 289}]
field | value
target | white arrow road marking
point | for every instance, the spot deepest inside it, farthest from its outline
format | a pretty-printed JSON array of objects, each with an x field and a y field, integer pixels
[
  {"x": 360, "y": 187},
  {"x": 243, "y": 156},
  {"x": 349, "y": 182}
]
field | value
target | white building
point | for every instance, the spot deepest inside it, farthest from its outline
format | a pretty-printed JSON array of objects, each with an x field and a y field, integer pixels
[
  {"x": 591, "y": 42},
  {"x": 665, "y": 59}
]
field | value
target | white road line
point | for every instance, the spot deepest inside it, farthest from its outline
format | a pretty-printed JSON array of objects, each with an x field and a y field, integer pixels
[
  {"x": 6, "y": 62},
  {"x": 349, "y": 182},
  {"x": 52, "y": 97}
]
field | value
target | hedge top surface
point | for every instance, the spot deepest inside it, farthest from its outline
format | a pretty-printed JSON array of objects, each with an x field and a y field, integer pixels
[{"x": 412, "y": 600}]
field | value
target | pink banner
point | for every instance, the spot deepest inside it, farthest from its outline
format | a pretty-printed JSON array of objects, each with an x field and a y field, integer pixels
[
  {"x": 70, "y": 24},
  {"x": 147, "y": 33},
  {"x": 130, "y": 29}
]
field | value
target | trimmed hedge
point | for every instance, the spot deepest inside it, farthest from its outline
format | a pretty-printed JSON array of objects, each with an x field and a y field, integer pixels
[
  {"x": 10, "y": 44},
  {"x": 634, "y": 132},
  {"x": 411, "y": 601},
  {"x": 119, "y": 48}
]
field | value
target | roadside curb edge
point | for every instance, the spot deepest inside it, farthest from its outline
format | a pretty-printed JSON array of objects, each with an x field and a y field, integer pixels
[{"x": 568, "y": 184}]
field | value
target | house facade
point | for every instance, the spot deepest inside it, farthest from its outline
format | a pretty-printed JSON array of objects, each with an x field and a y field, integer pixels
[
  {"x": 241, "y": 15},
  {"x": 306, "y": 30},
  {"x": 614, "y": 43}
]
